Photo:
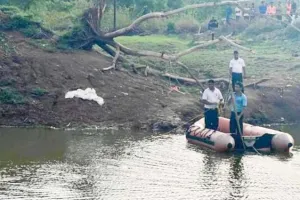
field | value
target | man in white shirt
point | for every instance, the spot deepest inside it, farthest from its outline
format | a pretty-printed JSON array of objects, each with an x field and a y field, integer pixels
[
  {"x": 238, "y": 13},
  {"x": 237, "y": 70},
  {"x": 211, "y": 98}
]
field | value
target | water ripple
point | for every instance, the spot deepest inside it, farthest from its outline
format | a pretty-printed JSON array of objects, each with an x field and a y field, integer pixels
[{"x": 119, "y": 167}]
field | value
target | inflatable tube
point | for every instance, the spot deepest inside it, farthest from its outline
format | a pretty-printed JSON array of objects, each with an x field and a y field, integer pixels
[
  {"x": 262, "y": 139},
  {"x": 214, "y": 140}
]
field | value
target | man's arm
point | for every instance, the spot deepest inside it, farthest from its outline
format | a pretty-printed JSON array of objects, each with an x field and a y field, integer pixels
[
  {"x": 244, "y": 68},
  {"x": 230, "y": 69},
  {"x": 244, "y": 105},
  {"x": 244, "y": 71},
  {"x": 221, "y": 97},
  {"x": 207, "y": 102}
]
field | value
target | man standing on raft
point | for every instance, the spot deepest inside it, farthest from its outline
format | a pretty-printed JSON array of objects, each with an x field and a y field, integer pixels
[
  {"x": 211, "y": 98},
  {"x": 238, "y": 102},
  {"x": 237, "y": 70}
]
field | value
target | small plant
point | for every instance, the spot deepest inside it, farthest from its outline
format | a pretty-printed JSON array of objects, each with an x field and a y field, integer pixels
[
  {"x": 171, "y": 28},
  {"x": 39, "y": 92},
  {"x": 11, "y": 96},
  {"x": 4, "y": 83}
]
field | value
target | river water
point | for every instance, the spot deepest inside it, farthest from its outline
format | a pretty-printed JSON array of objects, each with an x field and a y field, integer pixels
[{"x": 89, "y": 164}]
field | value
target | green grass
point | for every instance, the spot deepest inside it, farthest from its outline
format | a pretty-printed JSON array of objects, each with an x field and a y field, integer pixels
[
  {"x": 38, "y": 92},
  {"x": 271, "y": 58},
  {"x": 158, "y": 43},
  {"x": 11, "y": 96}
]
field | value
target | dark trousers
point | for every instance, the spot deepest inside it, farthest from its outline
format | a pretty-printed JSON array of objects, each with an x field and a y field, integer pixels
[
  {"x": 211, "y": 118},
  {"x": 237, "y": 77},
  {"x": 234, "y": 130}
]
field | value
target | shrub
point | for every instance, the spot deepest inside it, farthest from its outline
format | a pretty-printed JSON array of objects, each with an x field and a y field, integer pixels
[
  {"x": 171, "y": 28},
  {"x": 11, "y": 96},
  {"x": 187, "y": 25},
  {"x": 153, "y": 26},
  {"x": 7, "y": 82},
  {"x": 9, "y": 10},
  {"x": 38, "y": 92}
]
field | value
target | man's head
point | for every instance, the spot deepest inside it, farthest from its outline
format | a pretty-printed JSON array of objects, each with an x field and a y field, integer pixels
[
  {"x": 211, "y": 84},
  {"x": 263, "y": 3},
  {"x": 238, "y": 87},
  {"x": 236, "y": 55},
  {"x": 272, "y": 3}
]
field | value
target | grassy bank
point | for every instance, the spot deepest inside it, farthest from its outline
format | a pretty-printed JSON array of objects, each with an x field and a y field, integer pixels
[{"x": 271, "y": 58}]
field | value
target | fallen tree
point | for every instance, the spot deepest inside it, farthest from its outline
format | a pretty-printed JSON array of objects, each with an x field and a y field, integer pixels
[{"x": 90, "y": 33}]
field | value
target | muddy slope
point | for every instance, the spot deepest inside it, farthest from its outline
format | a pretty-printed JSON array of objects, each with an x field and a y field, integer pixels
[
  {"x": 130, "y": 100},
  {"x": 38, "y": 80}
]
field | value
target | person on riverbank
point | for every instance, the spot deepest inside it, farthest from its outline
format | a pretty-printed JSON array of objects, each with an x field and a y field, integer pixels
[
  {"x": 252, "y": 12},
  {"x": 246, "y": 13},
  {"x": 279, "y": 10},
  {"x": 293, "y": 8},
  {"x": 262, "y": 8},
  {"x": 213, "y": 24},
  {"x": 238, "y": 13},
  {"x": 238, "y": 102},
  {"x": 288, "y": 7},
  {"x": 271, "y": 10},
  {"x": 211, "y": 98},
  {"x": 228, "y": 14},
  {"x": 237, "y": 70}
]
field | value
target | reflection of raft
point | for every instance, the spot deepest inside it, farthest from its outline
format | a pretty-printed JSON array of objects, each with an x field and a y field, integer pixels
[{"x": 262, "y": 139}]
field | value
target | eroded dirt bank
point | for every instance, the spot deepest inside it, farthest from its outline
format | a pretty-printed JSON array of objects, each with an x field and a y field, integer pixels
[{"x": 40, "y": 79}]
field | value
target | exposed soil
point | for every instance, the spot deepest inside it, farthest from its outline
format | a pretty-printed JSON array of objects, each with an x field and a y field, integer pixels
[{"x": 131, "y": 101}]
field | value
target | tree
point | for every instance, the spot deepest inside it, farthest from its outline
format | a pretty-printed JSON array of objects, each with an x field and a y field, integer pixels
[{"x": 91, "y": 33}]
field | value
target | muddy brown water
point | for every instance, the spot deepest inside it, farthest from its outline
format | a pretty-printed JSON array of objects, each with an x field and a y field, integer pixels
[{"x": 90, "y": 164}]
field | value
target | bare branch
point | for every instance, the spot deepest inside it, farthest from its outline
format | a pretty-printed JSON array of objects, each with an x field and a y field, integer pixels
[
  {"x": 192, "y": 81},
  {"x": 103, "y": 9},
  {"x": 113, "y": 66},
  {"x": 166, "y": 14},
  {"x": 195, "y": 48},
  {"x": 143, "y": 53},
  {"x": 191, "y": 74},
  {"x": 236, "y": 45}
]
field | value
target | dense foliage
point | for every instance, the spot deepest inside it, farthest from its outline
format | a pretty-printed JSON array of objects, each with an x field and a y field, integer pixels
[{"x": 61, "y": 16}]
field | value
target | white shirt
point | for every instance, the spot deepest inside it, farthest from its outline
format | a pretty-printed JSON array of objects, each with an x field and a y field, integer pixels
[
  {"x": 246, "y": 14},
  {"x": 238, "y": 12},
  {"x": 212, "y": 97},
  {"x": 237, "y": 65}
]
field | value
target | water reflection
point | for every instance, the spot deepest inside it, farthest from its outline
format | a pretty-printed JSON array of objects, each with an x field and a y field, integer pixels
[
  {"x": 41, "y": 164},
  {"x": 237, "y": 178},
  {"x": 30, "y": 145}
]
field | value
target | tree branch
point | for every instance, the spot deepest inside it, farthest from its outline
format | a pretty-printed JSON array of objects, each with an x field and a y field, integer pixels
[
  {"x": 236, "y": 45},
  {"x": 187, "y": 69},
  {"x": 113, "y": 66},
  {"x": 153, "y": 15},
  {"x": 195, "y": 48}
]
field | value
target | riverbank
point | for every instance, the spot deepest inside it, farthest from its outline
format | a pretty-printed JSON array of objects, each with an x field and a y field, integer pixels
[{"x": 34, "y": 80}]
